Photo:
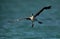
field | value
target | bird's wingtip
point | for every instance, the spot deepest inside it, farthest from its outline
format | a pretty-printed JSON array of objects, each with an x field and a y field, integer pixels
[{"x": 48, "y": 7}]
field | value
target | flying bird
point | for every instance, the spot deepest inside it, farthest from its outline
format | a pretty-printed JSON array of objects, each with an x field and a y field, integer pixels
[{"x": 33, "y": 17}]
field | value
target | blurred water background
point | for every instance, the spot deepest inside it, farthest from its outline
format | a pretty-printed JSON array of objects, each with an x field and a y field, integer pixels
[{"x": 11, "y": 10}]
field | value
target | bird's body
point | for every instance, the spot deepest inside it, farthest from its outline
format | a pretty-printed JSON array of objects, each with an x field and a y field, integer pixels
[{"x": 32, "y": 18}]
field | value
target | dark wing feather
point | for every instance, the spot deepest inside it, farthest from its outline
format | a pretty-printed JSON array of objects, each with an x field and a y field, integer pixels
[
  {"x": 42, "y": 10},
  {"x": 27, "y": 18},
  {"x": 38, "y": 12}
]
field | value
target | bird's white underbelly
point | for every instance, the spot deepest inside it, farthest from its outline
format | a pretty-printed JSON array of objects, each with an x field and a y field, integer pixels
[{"x": 32, "y": 17}]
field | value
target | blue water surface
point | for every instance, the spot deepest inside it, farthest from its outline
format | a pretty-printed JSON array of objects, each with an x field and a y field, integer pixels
[{"x": 10, "y": 10}]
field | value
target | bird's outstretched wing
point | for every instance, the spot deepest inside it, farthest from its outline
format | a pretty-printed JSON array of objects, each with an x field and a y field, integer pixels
[
  {"x": 23, "y": 19},
  {"x": 48, "y": 7},
  {"x": 17, "y": 20}
]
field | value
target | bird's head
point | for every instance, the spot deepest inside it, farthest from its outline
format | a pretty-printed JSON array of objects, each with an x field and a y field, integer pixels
[{"x": 32, "y": 14}]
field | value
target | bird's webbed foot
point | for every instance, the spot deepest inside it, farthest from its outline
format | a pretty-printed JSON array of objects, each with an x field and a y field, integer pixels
[{"x": 38, "y": 21}]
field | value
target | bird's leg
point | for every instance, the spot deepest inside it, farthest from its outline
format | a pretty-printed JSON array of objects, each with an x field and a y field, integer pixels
[
  {"x": 38, "y": 21},
  {"x": 32, "y": 24}
]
